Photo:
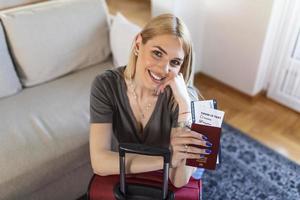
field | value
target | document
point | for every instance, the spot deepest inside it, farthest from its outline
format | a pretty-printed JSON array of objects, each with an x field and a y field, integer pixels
[{"x": 208, "y": 121}]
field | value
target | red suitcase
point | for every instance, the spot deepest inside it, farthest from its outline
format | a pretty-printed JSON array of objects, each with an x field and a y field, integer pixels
[{"x": 144, "y": 185}]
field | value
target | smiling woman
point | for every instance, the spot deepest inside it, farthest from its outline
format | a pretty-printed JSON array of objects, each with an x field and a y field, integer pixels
[
  {"x": 145, "y": 101},
  {"x": 159, "y": 56}
]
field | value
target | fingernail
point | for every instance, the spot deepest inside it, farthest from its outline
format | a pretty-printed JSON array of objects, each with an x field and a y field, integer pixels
[
  {"x": 208, "y": 151},
  {"x": 202, "y": 156},
  {"x": 208, "y": 144},
  {"x": 204, "y": 137}
]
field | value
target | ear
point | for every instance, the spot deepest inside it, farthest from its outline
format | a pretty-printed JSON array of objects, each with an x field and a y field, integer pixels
[{"x": 138, "y": 41}]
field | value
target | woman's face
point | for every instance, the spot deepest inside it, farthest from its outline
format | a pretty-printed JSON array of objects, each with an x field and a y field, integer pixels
[{"x": 158, "y": 58}]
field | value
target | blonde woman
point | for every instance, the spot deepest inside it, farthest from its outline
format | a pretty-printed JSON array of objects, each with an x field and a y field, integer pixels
[{"x": 145, "y": 101}]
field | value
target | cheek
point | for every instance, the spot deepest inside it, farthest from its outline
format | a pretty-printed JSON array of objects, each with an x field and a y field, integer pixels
[
  {"x": 175, "y": 70},
  {"x": 149, "y": 61}
]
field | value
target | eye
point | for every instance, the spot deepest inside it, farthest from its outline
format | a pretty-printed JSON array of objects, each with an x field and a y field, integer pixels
[
  {"x": 157, "y": 53},
  {"x": 175, "y": 63}
]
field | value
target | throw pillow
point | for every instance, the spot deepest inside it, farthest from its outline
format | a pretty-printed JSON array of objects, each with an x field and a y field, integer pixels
[
  {"x": 53, "y": 38},
  {"x": 122, "y": 34},
  {"x": 9, "y": 82}
]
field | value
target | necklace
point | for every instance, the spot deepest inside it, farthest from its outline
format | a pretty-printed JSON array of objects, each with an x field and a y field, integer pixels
[{"x": 148, "y": 106}]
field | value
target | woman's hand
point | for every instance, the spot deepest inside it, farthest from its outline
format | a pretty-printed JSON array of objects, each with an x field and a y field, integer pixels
[
  {"x": 178, "y": 86},
  {"x": 182, "y": 141}
]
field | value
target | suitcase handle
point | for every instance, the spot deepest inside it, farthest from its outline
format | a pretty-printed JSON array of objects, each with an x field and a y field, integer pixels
[{"x": 144, "y": 150}]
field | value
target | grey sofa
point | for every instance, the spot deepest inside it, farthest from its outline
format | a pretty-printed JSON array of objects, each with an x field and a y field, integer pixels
[{"x": 50, "y": 53}]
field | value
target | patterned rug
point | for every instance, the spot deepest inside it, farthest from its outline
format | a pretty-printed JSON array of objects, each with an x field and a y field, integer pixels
[{"x": 250, "y": 170}]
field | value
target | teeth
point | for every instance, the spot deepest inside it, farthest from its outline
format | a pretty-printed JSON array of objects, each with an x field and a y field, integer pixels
[{"x": 155, "y": 76}]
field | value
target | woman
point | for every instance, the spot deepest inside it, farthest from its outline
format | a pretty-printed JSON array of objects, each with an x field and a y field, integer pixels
[{"x": 145, "y": 101}]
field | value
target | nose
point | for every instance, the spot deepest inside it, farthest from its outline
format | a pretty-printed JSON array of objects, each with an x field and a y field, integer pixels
[{"x": 165, "y": 68}]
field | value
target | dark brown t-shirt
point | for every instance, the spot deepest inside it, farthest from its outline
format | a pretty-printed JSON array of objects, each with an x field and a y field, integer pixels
[{"x": 109, "y": 103}]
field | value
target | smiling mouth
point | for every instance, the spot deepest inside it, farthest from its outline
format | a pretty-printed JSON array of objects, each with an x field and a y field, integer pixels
[{"x": 155, "y": 77}]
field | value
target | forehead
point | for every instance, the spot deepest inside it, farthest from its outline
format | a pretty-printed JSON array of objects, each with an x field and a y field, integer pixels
[{"x": 170, "y": 43}]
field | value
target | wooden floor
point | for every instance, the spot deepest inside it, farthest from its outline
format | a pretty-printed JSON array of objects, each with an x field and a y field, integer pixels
[{"x": 262, "y": 119}]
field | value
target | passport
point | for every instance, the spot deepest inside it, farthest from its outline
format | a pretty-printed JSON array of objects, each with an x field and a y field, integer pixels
[{"x": 213, "y": 134}]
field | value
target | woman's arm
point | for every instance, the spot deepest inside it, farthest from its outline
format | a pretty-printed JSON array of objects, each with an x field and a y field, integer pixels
[
  {"x": 106, "y": 162},
  {"x": 180, "y": 140},
  {"x": 181, "y": 175}
]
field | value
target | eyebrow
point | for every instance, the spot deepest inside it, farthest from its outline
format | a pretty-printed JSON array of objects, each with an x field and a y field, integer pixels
[{"x": 166, "y": 52}]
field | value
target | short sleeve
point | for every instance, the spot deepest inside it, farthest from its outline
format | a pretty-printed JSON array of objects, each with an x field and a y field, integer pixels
[
  {"x": 101, "y": 108},
  {"x": 193, "y": 96}
]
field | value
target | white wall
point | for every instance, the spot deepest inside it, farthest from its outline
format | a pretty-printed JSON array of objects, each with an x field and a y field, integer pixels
[
  {"x": 159, "y": 7},
  {"x": 234, "y": 34},
  {"x": 228, "y": 37}
]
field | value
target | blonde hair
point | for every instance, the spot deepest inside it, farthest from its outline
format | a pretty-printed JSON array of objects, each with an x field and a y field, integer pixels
[{"x": 166, "y": 24}]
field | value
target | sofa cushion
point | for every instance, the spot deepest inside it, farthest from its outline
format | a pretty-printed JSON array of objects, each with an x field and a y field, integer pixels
[
  {"x": 9, "y": 82},
  {"x": 44, "y": 132},
  {"x": 122, "y": 33},
  {"x": 50, "y": 39}
]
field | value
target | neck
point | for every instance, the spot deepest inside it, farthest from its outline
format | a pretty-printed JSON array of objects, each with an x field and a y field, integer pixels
[{"x": 140, "y": 89}]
